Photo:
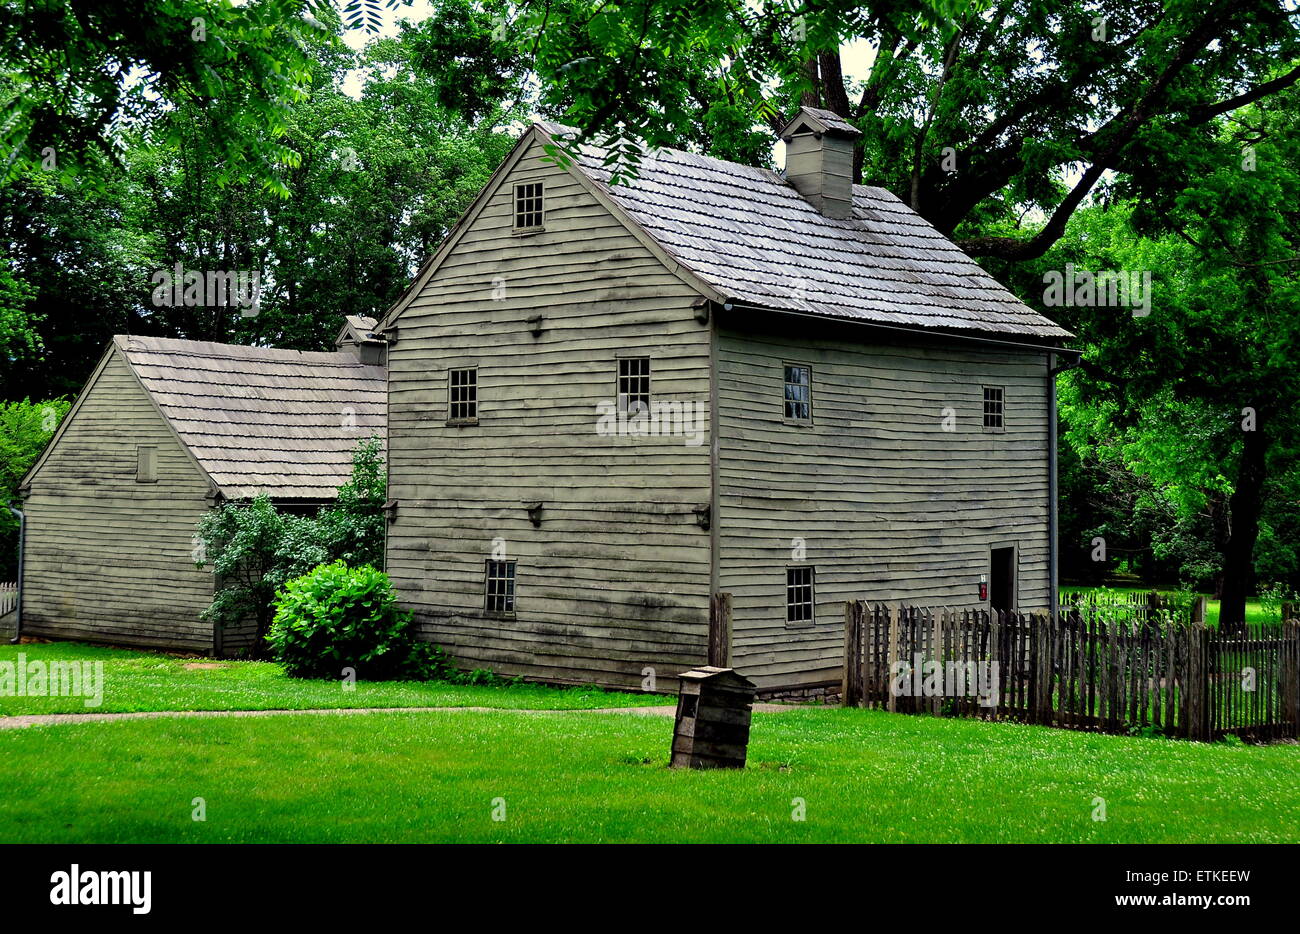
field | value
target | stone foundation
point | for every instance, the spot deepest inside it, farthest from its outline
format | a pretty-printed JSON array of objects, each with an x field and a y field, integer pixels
[{"x": 825, "y": 694}]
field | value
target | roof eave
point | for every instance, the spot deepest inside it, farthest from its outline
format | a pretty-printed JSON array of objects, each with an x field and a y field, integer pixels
[{"x": 1027, "y": 341}]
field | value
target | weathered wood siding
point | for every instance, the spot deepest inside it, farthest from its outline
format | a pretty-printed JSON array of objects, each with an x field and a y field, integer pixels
[
  {"x": 108, "y": 559},
  {"x": 888, "y": 505},
  {"x": 617, "y": 578}
]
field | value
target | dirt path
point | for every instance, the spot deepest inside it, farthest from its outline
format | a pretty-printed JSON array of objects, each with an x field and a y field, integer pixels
[{"x": 56, "y": 719}]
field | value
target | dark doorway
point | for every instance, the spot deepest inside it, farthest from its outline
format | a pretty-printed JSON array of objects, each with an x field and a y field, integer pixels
[{"x": 1002, "y": 579}]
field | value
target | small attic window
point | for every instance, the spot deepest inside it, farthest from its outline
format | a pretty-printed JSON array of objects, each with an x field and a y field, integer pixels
[
  {"x": 529, "y": 209},
  {"x": 146, "y": 464}
]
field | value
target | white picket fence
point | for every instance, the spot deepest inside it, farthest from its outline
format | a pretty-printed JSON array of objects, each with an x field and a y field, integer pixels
[{"x": 8, "y": 598}]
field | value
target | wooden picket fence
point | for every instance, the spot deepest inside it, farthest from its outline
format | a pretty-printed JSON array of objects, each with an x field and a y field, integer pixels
[
  {"x": 8, "y": 598},
  {"x": 1076, "y": 670}
]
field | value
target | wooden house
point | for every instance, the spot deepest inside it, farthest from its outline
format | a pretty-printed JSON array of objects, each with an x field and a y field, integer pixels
[
  {"x": 608, "y": 403},
  {"x": 164, "y": 430}
]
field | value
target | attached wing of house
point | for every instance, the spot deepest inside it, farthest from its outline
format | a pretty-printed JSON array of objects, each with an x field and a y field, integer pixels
[{"x": 162, "y": 430}]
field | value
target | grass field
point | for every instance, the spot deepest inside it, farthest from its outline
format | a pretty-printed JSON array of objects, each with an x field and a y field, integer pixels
[
  {"x": 1255, "y": 612},
  {"x": 138, "y": 681},
  {"x": 572, "y": 776},
  {"x": 406, "y": 777}
]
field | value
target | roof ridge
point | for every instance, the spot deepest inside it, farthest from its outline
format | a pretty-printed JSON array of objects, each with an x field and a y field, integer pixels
[
  {"x": 653, "y": 154},
  {"x": 210, "y": 349}
]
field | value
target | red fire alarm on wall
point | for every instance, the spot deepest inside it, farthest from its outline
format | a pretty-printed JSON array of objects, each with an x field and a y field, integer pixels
[{"x": 984, "y": 586}]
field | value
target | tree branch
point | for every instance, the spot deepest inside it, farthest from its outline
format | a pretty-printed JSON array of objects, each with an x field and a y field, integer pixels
[{"x": 1207, "y": 112}]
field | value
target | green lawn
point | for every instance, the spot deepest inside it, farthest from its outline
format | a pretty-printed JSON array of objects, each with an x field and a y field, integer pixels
[
  {"x": 406, "y": 777},
  {"x": 136, "y": 681},
  {"x": 1255, "y": 612}
]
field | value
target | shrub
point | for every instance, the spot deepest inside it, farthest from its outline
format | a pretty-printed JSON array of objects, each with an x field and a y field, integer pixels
[
  {"x": 254, "y": 548},
  {"x": 337, "y": 617}
]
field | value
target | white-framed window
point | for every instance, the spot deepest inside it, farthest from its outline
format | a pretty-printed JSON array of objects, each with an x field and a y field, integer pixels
[
  {"x": 146, "y": 464},
  {"x": 799, "y": 594},
  {"x": 530, "y": 208},
  {"x": 634, "y": 385},
  {"x": 462, "y": 394},
  {"x": 994, "y": 408},
  {"x": 798, "y": 393},
  {"x": 499, "y": 586}
]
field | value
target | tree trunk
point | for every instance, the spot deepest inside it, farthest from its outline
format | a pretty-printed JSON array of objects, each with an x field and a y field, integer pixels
[
  {"x": 812, "y": 95},
  {"x": 1244, "y": 509}
]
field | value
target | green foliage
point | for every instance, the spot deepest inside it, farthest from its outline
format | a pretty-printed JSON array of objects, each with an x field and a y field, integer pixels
[
  {"x": 382, "y": 173},
  {"x": 1273, "y": 595},
  {"x": 254, "y": 548},
  {"x": 1035, "y": 102},
  {"x": 74, "y": 247},
  {"x": 1195, "y": 408},
  {"x": 25, "y": 428},
  {"x": 18, "y": 337},
  {"x": 352, "y": 527},
  {"x": 337, "y": 617},
  {"x": 79, "y": 71},
  {"x": 81, "y": 75}
]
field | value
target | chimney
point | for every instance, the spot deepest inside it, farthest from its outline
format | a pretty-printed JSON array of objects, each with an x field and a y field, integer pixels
[
  {"x": 357, "y": 336},
  {"x": 819, "y": 160},
  {"x": 374, "y": 353}
]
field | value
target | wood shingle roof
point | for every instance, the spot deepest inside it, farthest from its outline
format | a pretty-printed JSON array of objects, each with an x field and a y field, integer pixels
[
  {"x": 258, "y": 419},
  {"x": 747, "y": 233}
]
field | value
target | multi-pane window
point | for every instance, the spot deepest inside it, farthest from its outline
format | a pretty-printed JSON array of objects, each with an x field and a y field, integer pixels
[
  {"x": 499, "y": 587},
  {"x": 462, "y": 394},
  {"x": 993, "y": 407},
  {"x": 528, "y": 205},
  {"x": 798, "y": 393},
  {"x": 634, "y": 385},
  {"x": 799, "y": 595},
  {"x": 146, "y": 464}
]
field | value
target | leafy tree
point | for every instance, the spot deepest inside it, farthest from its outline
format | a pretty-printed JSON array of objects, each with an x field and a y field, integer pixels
[
  {"x": 72, "y": 247},
  {"x": 1202, "y": 396},
  {"x": 380, "y": 181},
  {"x": 254, "y": 548},
  {"x": 18, "y": 337},
  {"x": 353, "y": 526},
  {"x": 80, "y": 73},
  {"x": 973, "y": 112},
  {"x": 25, "y": 428}
]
